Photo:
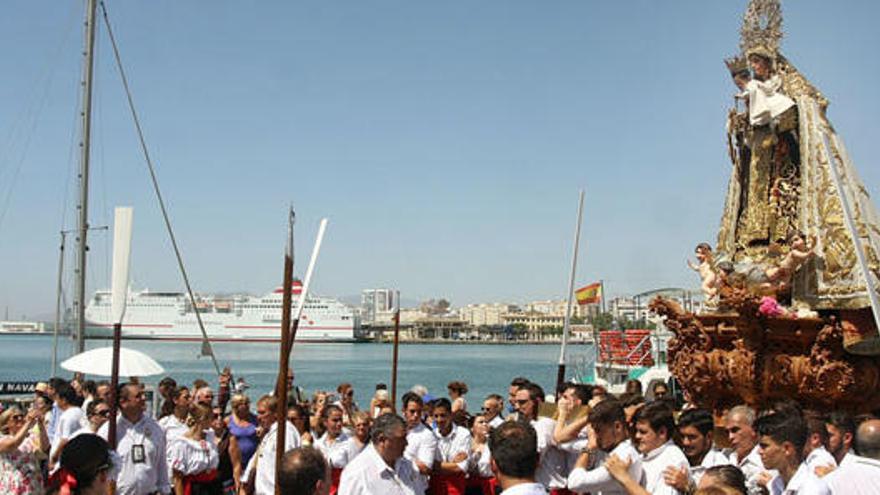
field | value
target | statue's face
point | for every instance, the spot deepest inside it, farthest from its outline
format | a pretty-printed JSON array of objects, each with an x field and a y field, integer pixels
[
  {"x": 760, "y": 66},
  {"x": 740, "y": 81}
]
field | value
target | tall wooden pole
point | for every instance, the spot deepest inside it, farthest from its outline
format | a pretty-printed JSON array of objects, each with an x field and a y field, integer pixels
[
  {"x": 284, "y": 349},
  {"x": 560, "y": 372},
  {"x": 396, "y": 317},
  {"x": 288, "y": 336}
]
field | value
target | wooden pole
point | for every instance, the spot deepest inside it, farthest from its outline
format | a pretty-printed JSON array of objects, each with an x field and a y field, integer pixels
[
  {"x": 114, "y": 385},
  {"x": 395, "y": 351},
  {"x": 284, "y": 349},
  {"x": 288, "y": 336}
]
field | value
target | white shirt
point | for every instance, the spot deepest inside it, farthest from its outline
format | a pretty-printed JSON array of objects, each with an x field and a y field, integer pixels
[
  {"x": 804, "y": 482},
  {"x": 553, "y": 466},
  {"x": 848, "y": 458},
  {"x": 712, "y": 458},
  {"x": 173, "y": 428},
  {"x": 143, "y": 477},
  {"x": 656, "y": 461},
  {"x": 68, "y": 423},
  {"x": 368, "y": 474},
  {"x": 819, "y": 457},
  {"x": 189, "y": 456},
  {"x": 480, "y": 462},
  {"x": 421, "y": 445},
  {"x": 496, "y": 421},
  {"x": 599, "y": 481},
  {"x": 263, "y": 459},
  {"x": 526, "y": 489},
  {"x": 860, "y": 476},
  {"x": 339, "y": 453},
  {"x": 457, "y": 441},
  {"x": 752, "y": 467}
]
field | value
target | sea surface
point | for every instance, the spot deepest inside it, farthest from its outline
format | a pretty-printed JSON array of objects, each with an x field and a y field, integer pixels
[{"x": 485, "y": 368}]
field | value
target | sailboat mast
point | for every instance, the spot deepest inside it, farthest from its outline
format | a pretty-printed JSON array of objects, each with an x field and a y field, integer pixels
[{"x": 83, "y": 205}]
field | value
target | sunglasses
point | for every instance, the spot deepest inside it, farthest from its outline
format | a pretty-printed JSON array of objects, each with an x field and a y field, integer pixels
[
  {"x": 104, "y": 414},
  {"x": 521, "y": 402},
  {"x": 17, "y": 417}
]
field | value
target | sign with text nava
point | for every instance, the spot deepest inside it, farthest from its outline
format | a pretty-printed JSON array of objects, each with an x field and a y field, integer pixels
[{"x": 17, "y": 387}]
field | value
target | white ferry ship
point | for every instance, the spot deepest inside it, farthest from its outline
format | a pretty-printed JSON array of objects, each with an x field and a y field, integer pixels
[{"x": 237, "y": 318}]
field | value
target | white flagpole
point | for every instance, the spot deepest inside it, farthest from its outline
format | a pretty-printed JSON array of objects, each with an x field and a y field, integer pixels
[{"x": 560, "y": 377}]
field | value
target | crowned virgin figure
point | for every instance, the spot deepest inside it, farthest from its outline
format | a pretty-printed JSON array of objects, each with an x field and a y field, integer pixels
[{"x": 791, "y": 175}]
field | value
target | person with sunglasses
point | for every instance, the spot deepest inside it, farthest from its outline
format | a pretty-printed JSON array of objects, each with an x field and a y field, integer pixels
[
  {"x": 97, "y": 413},
  {"x": 19, "y": 467}
]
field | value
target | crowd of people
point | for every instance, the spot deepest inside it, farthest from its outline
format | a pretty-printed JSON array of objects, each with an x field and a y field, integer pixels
[{"x": 580, "y": 439}]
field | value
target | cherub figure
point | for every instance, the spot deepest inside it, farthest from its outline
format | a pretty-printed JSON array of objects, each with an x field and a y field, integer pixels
[
  {"x": 706, "y": 269},
  {"x": 799, "y": 252}
]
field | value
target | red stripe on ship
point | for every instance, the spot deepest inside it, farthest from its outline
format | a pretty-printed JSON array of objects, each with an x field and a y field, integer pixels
[
  {"x": 278, "y": 327},
  {"x": 129, "y": 325},
  {"x": 226, "y": 339}
]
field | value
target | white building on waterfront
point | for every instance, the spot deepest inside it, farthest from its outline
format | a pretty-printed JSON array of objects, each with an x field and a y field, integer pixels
[{"x": 376, "y": 304}]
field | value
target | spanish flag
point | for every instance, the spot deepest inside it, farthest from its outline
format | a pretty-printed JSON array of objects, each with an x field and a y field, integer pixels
[{"x": 590, "y": 294}]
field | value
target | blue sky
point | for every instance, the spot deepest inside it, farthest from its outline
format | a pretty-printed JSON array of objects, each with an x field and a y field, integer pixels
[{"x": 446, "y": 141}]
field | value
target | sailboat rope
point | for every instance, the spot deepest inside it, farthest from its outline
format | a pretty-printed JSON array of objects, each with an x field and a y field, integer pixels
[{"x": 206, "y": 342}]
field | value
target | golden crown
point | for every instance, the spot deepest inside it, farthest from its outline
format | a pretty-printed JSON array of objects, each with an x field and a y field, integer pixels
[{"x": 736, "y": 64}]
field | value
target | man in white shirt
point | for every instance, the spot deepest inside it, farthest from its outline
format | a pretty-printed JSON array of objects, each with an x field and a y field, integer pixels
[
  {"x": 260, "y": 470},
  {"x": 654, "y": 428},
  {"x": 140, "y": 444},
  {"x": 695, "y": 429},
  {"x": 69, "y": 420},
  {"x": 421, "y": 444},
  {"x": 782, "y": 439},
  {"x": 492, "y": 410},
  {"x": 381, "y": 467},
  {"x": 453, "y": 450},
  {"x": 861, "y": 475},
  {"x": 739, "y": 424},
  {"x": 552, "y": 468},
  {"x": 818, "y": 459},
  {"x": 609, "y": 437},
  {"x": 514, "y": 447},
  {"x": 841, "y": 430}
]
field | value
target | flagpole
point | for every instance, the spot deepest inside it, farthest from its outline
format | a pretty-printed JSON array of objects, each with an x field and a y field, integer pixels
[{"x": 560, "y": 373}]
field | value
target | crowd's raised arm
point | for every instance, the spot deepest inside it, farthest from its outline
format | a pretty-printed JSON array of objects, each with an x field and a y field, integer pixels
[{"x": 581, "y": 439}]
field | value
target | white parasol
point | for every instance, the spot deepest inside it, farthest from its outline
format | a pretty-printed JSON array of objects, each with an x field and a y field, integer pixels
[{"x": 98, "y": 362}]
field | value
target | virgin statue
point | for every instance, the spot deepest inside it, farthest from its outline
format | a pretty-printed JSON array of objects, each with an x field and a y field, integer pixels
[{"x": 790, "y": 174}]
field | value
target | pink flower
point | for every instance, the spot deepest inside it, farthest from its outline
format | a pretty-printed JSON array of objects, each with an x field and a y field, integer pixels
[{"x": 769, "y": 307}]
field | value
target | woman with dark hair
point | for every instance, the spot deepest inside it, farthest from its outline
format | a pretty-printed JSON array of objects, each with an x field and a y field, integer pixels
[
  {"x": 20, "y": 471},
  {"x": 193, "y": 456},
  {"x": 336, "y": 445},
  {"x": 481, "y": 480},
  {"x": 457, "y": 391},
  {"x": 300, "y": 418},
  {"x": 85, "y": 467}
]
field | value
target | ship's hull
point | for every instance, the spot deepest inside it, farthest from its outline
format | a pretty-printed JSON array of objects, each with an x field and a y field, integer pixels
[{"x": 172, "y": 317}]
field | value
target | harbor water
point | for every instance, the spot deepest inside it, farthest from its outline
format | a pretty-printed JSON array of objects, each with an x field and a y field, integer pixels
[{"x": 486, "y": 368}]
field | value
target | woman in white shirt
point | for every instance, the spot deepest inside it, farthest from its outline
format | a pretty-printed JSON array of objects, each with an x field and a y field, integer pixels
[
  {"x": 481, "y": 480},
  {"x": 337, "y": 446},
  {"x": 193, "y": 456}
]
